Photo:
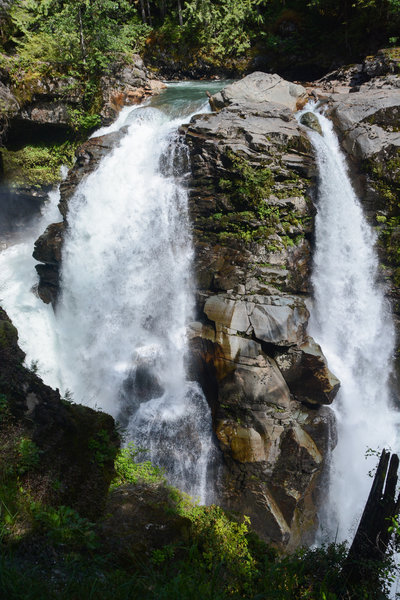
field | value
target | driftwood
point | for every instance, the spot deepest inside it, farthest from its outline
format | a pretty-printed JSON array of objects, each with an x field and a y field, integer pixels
[{"x": 371, "y": 541}]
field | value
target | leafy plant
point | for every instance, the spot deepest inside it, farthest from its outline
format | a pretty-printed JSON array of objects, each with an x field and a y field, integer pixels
[
  {"x": 65, "y": 526},
  {"x": 28, "y": 455},
  {"x": 128, "y": 470}
]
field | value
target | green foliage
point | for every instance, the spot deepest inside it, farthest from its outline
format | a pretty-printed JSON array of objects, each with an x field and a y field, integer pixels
[
  {"x": 223, "y": 541},
  {"x": 82, "y": 121},
  {"x": 64, "y": 525},
  {"x": 37, "y": 165},
  {"x": 129, "y": 471},
  {"x": 28, "y": 455},
  {"x": 102, "y": 447},
  {"x": 83, "y": 34}
]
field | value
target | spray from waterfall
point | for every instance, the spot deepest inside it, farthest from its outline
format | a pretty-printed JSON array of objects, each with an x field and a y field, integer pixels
[
  {"x": 118, "y": 341},
  {"x": 351, "y": 321}
]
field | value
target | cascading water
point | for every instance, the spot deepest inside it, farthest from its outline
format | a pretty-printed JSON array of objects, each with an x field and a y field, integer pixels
[
  {"x": 351, "y": 321},
  {"x": 126, "y": 300},
  {"x": 34, "y": 320}
]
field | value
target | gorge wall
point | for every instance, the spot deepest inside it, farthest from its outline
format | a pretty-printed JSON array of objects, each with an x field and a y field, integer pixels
[{"x": 251, "y": 203}]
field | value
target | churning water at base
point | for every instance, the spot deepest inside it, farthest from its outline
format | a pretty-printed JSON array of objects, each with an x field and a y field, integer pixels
[
  {"x": 126, "y": 300},
  {"x": 351, "y": 321}
]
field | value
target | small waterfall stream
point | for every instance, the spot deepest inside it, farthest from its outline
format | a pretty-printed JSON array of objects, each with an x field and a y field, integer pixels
[
  {"x": 351, "y": 321},
  {"x": 118, "y": 340}
]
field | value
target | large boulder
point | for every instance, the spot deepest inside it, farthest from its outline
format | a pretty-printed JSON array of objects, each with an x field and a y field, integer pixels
[
  {"x": 261, "y": 87},
  {"x": 368, "y": 121},
  {"x": 125, "y": 85}
]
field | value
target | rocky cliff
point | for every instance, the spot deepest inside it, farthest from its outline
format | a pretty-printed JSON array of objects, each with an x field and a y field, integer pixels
[
  {"x": 253, "y": 177},
  {"x": 42, "y": 121}
]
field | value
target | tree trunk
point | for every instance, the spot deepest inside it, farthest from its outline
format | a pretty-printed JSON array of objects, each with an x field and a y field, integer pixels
[
  {"x": 81, "y": 37},
  {"x": 180, "y": 13},
  {"x": 149, "y": 14},
  {"x": 143, "y": 11},
  {"x": 372, "y": 537}
]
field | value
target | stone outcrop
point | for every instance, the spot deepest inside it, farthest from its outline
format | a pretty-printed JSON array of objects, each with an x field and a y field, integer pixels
[
  {"x": 48, "y": 246},
  {"x": 63, "y": 453},
  {"x": 368, "y": 121},
  {"x": 49, "y": 105},
  {"x": 261, "y": 87},
  {"x": 266, "y": 380},
  {"x": 125, "y": 85}
]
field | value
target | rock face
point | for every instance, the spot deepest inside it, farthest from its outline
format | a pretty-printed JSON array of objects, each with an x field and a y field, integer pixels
[
  {"x": 53, "y": 445},
  {"x": 126, "y": 85},
  {"x": 9, "y": 107},
  {"x": 266, "y": 380},
  {"x": 48, "y": 106},
  {"x": 48, "y": 246}
]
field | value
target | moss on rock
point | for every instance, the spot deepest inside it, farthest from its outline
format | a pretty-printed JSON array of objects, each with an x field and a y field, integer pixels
[{"x": 37, "y": 165}]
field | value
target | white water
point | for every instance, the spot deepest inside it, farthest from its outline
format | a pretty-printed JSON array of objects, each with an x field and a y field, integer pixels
[
  {"x": 34, "y": 320},
  {"x": 118, "y": 340},
  {"x": 351, "y": 321}
]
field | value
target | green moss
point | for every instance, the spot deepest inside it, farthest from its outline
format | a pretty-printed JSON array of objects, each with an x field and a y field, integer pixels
[
  {"x": 247, "y": 186},
  {"x": 37, "y": 165}
]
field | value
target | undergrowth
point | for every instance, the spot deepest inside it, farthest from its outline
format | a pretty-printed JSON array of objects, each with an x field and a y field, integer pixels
[{"x": 62, "y": 556}]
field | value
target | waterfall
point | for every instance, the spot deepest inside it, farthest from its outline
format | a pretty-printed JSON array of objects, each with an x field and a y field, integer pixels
[
  {"x": 351, "y": 321},
  {"x": 34, "y": 320},
  {"x": 120, "y": 326}
]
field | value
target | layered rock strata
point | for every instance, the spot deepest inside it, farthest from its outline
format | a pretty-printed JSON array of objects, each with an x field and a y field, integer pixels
[{"x": 266, "y": 379}]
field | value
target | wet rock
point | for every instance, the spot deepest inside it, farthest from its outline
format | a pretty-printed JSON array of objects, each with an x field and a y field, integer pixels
[
  {"x": 306, "y": 372},
  {"x": 311, "y": 121}
]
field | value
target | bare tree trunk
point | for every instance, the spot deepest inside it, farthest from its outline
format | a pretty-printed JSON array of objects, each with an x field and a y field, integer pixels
[
  {"x": 81, "y": 37},
  {"x": 180, "y": 13},
  {"x": 149, "y": 14},
  {"x": 143, "y": 11},
  {"x": 372, "y": 537}
]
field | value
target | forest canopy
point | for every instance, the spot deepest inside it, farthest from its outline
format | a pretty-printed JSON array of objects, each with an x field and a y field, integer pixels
[{"x": 86, "y": 35}]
